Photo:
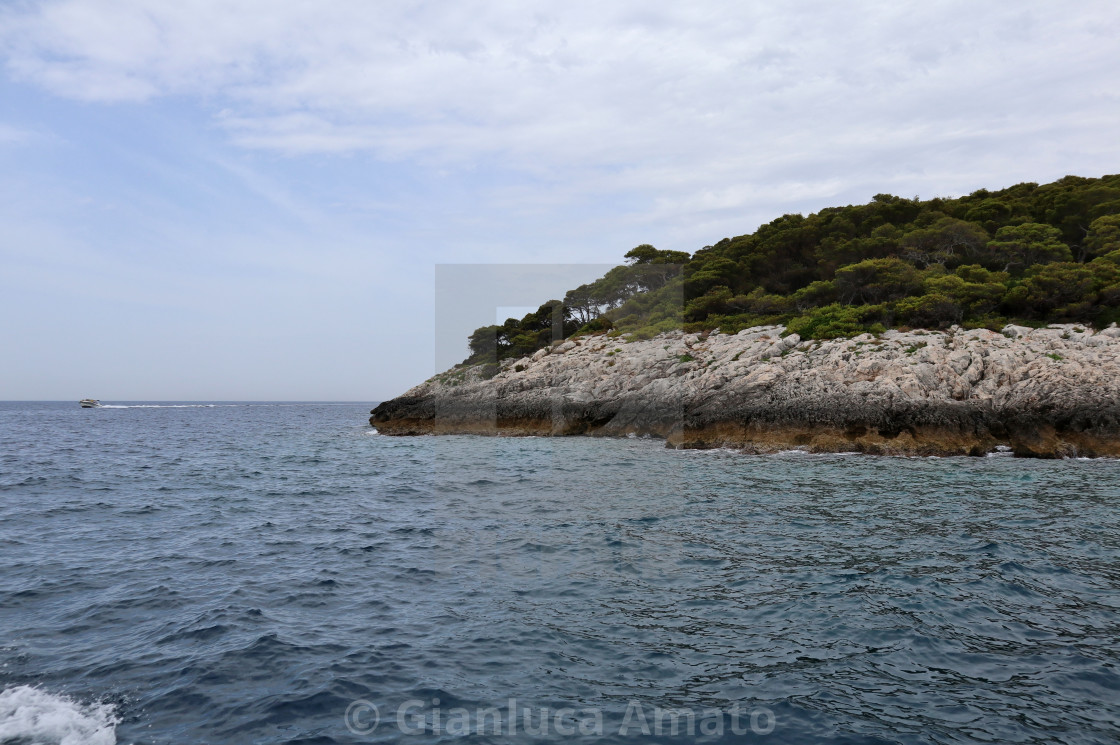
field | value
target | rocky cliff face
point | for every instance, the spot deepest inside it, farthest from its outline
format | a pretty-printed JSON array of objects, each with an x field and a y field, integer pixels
[{"x": 1041, "y": 392}]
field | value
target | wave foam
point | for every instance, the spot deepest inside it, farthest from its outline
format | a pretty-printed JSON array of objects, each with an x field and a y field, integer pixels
[{"x": 33, "y": 716}]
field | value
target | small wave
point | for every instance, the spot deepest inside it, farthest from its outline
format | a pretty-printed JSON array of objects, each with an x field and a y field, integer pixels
[{"x": 30, "y": 715}]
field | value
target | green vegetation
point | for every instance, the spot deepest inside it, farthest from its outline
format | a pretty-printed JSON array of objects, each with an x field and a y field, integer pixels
[{"x": 1027, "y": 254}]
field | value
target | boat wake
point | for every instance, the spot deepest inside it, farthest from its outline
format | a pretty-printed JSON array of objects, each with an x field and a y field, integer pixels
[
  {"x": 200, "y": 406},
  {"x": 163, "y": 406},
  {"x": 31, "y": 715}
]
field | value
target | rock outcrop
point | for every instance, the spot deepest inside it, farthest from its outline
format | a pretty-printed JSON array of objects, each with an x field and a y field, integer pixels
[{"x": 1049, "y": 392}]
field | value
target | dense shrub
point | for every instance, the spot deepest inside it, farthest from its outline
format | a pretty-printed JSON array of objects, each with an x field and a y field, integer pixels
[{"x": 834, "y": 321}]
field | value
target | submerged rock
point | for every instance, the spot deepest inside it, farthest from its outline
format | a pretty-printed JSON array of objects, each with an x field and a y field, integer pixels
[{"x": 1050, "y": 392}]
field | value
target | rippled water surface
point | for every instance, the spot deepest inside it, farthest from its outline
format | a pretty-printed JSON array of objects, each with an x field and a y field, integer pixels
[{"x": 245, "y": 574}]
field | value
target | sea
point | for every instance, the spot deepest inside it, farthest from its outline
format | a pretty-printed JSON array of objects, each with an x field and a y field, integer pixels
[{"x": 281, "y": 573}]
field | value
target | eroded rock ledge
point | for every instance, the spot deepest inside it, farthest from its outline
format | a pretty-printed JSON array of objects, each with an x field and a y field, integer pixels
[{"x": 1051, "y": 392}]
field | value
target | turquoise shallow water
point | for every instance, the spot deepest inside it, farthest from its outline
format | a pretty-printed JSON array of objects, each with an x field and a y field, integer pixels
[{"x": 276, "y": 573}]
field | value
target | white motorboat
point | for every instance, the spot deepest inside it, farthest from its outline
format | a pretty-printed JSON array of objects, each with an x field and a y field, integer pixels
[{"x": 89, "y": 403}]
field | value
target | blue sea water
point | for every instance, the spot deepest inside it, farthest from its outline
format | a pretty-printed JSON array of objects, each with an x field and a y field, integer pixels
[{"x": 278, "y": 573}]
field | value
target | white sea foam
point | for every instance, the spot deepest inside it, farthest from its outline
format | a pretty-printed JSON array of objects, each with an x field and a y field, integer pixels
[{"x": 30, "y": 715}]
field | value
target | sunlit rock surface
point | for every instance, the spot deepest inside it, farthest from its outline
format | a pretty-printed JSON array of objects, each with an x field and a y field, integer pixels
[{"x": 1049, "y": 392}]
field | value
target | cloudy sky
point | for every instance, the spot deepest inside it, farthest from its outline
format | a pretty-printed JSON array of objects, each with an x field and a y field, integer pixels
[{"x": 219, "y": 199}]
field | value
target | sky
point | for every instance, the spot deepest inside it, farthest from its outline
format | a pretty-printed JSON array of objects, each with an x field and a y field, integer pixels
[{"x": 253, "y": 200}]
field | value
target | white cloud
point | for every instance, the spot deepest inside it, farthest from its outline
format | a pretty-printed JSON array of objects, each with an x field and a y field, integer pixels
[{"x": 699, "y": 106}]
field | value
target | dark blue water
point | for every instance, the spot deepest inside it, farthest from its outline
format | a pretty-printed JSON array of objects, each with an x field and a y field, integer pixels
[{"x": 271, "y": 573}]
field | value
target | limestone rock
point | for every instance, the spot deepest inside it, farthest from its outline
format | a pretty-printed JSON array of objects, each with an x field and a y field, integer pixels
[{"x": 1042, "y": 392}]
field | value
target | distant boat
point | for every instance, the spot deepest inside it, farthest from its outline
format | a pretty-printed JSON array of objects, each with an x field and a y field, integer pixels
[{"x": 89, "y": 403}]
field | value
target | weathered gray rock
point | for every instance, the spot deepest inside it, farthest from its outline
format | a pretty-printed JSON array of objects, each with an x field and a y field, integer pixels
[{"x": 1043, "y": 392}]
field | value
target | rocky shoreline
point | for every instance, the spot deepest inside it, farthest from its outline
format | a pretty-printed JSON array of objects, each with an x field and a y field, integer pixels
[{"x": 1052, "y": 392}]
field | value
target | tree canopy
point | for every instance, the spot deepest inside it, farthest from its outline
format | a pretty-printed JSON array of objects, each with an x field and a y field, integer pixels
[{"x": 1030, "y": 254}]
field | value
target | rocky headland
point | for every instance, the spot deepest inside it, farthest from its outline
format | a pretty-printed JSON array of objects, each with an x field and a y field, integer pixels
[{"x": 1051, "y": 392}]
